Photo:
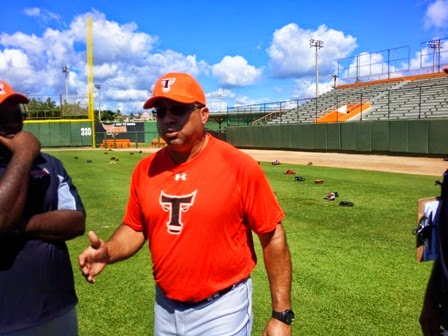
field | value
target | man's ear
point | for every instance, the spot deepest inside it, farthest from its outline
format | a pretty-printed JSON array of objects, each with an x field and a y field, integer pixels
[{"x": 204, "y": 115}]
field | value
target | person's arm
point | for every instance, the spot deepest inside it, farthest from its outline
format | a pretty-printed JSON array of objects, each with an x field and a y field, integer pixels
[
  {"x": 124, "y": 243},
  {"x": 56, "y": 225},
  {"x": 430, "y": 314},
  {"x": 277, "y": 260},
  {"x": 24, "y": 148}
]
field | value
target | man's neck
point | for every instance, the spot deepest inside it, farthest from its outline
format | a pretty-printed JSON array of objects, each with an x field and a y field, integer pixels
[{"x": 182, "y": 157}]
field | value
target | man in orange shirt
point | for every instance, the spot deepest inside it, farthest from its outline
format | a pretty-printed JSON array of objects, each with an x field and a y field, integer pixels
[{"x": 197, "y": 202}]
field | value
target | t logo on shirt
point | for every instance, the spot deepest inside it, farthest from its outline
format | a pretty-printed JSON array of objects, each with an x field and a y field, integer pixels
[{"x": 176, "y": 205}]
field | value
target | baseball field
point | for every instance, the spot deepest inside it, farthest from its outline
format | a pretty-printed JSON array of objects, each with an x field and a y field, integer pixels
[{"x": 355, "y": 271}]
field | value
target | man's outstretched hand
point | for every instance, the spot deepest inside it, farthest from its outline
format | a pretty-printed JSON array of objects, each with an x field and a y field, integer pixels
[{"x": 94, "y": 258}]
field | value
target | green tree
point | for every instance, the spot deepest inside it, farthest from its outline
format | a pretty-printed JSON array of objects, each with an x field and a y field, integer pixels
[
  {"x": 74, "y": 110},
  {"x": 48, "y": 109},
  {"x": 39, "y": 109}
]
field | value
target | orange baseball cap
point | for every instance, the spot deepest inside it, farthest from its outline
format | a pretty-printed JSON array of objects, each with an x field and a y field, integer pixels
[
  {"x": 177, "y": 86},
  {"x": 6, "y": 92}
]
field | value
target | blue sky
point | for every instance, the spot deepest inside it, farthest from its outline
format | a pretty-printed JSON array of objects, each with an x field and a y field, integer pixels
[{"x": 243, "y": 52}]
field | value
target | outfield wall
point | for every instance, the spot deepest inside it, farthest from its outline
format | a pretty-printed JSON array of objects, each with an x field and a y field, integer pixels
[
  {"x": 79, "y": 133},
  {"x": 403, "y": 137},
  {"x": 61, "y": 133},
  {"x": 72, "y": 133}
]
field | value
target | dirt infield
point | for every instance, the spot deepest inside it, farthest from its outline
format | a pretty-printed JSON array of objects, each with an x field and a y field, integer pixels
[
  {"x": 398, "y": 164},
  {"x": 386, "y": 163}
]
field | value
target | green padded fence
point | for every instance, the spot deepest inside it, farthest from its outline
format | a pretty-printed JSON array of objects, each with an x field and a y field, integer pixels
[
  {"x": 61, "y": 133},
  {"x": 404, "y": 137}
]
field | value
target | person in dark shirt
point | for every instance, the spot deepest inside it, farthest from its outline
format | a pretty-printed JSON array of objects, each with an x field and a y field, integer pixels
[
  {"x": 40, "y": 209},
  {"x": 434, "y": 314}
]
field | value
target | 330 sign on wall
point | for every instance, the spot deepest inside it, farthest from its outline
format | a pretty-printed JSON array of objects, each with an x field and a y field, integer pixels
[{"x": 86, "y": 131}]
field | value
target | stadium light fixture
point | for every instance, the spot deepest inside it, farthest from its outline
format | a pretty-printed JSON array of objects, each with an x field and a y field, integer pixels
[
  {"x": 66, "y": 71},
  {"x": 317, "y": 44},
  {"x": 436, "y": 45}
]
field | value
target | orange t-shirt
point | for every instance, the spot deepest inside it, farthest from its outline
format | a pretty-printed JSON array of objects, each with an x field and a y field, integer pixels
[{"x": 198, "y": 217}]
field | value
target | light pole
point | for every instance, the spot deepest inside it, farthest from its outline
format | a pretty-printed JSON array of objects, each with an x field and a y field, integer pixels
[
  {"x": 220, "y": 101},
  {"x": 317, "y": 44},
  {"x": 98, "y": 87},
  {"x": 435, "y": 45},
  {"x": 66, "y": 71}
]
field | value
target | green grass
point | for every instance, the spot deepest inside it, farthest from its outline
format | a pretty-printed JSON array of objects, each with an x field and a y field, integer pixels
[{"x": 354, "y": 267}]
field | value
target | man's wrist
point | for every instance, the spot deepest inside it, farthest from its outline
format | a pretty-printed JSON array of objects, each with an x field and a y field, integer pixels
[{"x": 286, "y": 316}]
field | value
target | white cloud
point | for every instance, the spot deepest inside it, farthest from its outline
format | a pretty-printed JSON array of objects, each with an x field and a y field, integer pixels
[
  {"x": 124, "y": 60},
  {"x": 112, "y": 41},
  {"x": 170, "y": 60},
  {"x": 291, "y": 55},
  {"x": 245, "y": 100},
  {"x": 127, "y": 61},
  {"x": 32, "y": 11},
  {"x": 104, "y": 71},
  {"x": 44, "y": 16},
  {"x": 221, "y": 93},
  {"x": 16, "y": 64},
  {"x": 235, "y": 71},
  {"x": 216, "y": 100},
  {"x": 303, "y": 89},
  {"x": 436, "y": 15},
  {"x": 45, "y": 57}
]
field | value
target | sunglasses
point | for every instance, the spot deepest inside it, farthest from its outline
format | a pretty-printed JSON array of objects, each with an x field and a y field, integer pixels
[{"x": 176, "y": 110}]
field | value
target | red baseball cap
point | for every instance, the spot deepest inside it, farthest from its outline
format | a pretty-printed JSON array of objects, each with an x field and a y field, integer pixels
[
  {"x": 6, "y": 92},
  {"x": 177, "y": 86},
  {"x": 445, "y": 69}
]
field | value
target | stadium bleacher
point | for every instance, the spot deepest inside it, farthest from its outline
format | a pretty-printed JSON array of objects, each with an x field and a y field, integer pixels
[{"x": 413, "y": 97}]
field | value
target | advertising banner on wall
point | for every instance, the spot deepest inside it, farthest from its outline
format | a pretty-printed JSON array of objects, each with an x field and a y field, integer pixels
[{"x": 126, "y": 130}]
